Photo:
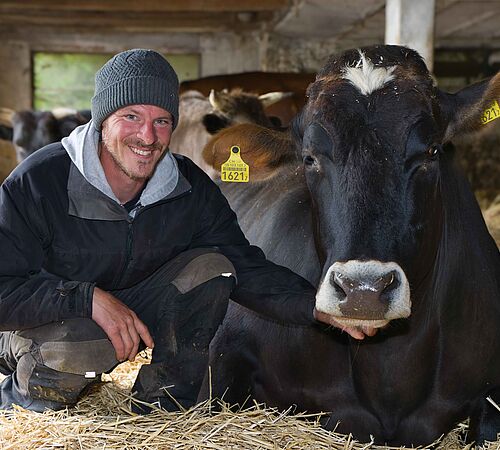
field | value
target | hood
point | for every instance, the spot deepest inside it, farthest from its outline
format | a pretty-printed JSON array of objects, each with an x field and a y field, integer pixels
[{"x": 82, "y": 146}]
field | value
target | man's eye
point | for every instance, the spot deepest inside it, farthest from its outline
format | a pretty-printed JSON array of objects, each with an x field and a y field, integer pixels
[
  {"x": 130, "y": 116},
  {"x": 164, "y": 122}
]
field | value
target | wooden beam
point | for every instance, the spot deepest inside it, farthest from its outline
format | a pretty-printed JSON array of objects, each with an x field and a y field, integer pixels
[
  {"x": 144, "y": 22},
  {"x": 145, "y": 5}
]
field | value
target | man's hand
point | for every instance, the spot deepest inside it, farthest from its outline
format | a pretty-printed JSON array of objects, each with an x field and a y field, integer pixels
[
  {"x": 355, "y": 332},
  {"x": 124, "y": 329}
]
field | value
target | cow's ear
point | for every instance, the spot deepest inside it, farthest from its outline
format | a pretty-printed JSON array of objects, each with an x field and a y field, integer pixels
[
  {"x": 6, "y": 116},
  {"x": 218, "y": 99},
  {"x": 271, "y": 98},
  {"x": 214, "y": 123},
  {"x": 263, "y": 149},
  {"x": 462, "y": 111},
  {"x": 6, "y": 123}
]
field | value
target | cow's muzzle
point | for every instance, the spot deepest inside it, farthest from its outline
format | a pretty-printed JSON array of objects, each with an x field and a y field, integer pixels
[{"x": 364, "y": 293}]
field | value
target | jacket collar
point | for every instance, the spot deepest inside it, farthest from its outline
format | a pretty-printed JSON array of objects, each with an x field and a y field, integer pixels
[{"x": 88, "y": 202}]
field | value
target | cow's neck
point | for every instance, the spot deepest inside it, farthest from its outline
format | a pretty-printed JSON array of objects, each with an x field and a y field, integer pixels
[{"x": 465, "y": 272}]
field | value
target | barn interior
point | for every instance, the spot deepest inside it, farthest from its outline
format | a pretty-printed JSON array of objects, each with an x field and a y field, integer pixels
[
  {"x": 246, "y": 35},
  {"x": 460, "y": 40},
  {"x": 51, "y": 48}
]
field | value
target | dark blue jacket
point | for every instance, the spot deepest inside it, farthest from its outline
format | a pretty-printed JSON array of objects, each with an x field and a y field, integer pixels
[{"x": 60, "y": 237}]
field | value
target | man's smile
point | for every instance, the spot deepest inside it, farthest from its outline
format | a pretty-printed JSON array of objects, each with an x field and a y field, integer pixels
[{"x": 140, "y": 152}]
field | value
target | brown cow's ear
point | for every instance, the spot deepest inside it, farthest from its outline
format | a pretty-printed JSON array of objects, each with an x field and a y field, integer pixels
[
  {"x": 463, "y": 110},
  {"x": 271, "y": 98},
  {"x": 6, "y": 116},
  {"x": 263, "y": 149}
]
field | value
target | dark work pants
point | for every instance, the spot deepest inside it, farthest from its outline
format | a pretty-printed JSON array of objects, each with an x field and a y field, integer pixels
[{"x": 182, "y": 304}]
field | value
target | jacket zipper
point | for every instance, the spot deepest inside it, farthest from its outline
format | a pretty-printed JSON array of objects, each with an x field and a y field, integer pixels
[
  {"x": 129, "y": 244},
  {"x": 128, "y": 249}
]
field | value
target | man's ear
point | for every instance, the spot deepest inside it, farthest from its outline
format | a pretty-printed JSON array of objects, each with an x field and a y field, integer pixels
[{"x": 462, "y": 111}]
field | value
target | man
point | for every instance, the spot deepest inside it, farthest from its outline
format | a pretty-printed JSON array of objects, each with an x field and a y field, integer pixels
[{"x": 111, "y": 244}]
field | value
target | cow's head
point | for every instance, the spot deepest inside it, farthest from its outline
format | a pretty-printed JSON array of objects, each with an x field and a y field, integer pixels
[
  {"x": 373, "y": 139},
  {"x": 237, "y": 106},
  {"x": 34, "y": 129}
]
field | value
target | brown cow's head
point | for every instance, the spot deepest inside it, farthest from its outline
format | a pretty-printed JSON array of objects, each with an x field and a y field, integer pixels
[
  {"x": 237, "y": 106},
  {"x": 374, "y": 142}
]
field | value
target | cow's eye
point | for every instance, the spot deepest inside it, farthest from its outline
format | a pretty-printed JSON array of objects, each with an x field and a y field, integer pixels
[
  {"x": 309, "y": 160},
  {"x": 433, "y": 150}
]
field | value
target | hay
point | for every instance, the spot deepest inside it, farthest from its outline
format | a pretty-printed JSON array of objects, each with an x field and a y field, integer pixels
[{"x": 102, "y": 420}]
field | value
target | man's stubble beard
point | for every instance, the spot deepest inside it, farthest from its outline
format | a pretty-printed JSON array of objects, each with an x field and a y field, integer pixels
[{"x": 125, "y": 170}]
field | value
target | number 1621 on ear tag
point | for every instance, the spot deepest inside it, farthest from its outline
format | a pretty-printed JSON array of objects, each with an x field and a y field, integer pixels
[{"x": 235, "y": 170}]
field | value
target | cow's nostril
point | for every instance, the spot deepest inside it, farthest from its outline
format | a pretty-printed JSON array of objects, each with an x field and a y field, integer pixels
[
  {"x": 384, "y": 281},
  {"x": 391, "y": 283},
  {"x": 336, "y": 281}
]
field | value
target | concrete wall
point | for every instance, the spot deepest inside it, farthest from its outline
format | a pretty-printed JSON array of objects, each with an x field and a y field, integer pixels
[
  {"x": 286, "y": 54},
  {"x": 219, "y": 53},
  {"x": 230, "y": 53},
  {"x": 17, "y": 49}
]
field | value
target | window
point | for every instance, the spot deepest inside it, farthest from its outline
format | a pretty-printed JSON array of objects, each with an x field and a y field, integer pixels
[{"x": 67, "y": 79}]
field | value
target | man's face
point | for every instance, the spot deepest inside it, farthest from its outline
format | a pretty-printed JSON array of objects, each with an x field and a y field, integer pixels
[{"x": 134, "y": 138}]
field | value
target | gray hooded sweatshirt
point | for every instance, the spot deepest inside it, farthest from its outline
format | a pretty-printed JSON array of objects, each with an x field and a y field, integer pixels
[{"x": 82, "y": 146}]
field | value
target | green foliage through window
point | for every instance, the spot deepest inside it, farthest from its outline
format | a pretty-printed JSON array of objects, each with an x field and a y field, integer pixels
[{"x": 67, "y": 79}]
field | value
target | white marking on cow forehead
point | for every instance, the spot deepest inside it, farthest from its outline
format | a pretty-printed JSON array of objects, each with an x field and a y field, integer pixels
[{"x": 366, "y": 77}]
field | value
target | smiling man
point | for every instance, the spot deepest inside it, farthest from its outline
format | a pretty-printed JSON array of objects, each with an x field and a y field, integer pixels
[
  {"x": 135, "y": 138},
  {"x": 111, "y": 243}
]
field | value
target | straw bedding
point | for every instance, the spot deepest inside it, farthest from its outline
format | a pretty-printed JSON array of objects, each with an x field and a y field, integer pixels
[{"x": 102, "y": 420}]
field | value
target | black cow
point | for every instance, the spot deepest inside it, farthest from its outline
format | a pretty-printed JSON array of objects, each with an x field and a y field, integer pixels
[
  {"x": 376, "y": 214},
  {"x": 34, "y": 129}
]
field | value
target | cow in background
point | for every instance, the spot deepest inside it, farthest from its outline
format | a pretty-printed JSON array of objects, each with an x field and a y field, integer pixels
[
  {"x": 260, "y": 83},
  {"x": 199, "y": 117},
  {"x": 32, "y": 130},
  {"x": 6, "y": 124},
  {"x": 366, "y": 202},
  {"x": 7, "y": 151}
]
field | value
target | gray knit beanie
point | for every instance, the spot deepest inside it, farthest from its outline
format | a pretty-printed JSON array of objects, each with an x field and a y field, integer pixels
[{"x": 135, "y": 77}]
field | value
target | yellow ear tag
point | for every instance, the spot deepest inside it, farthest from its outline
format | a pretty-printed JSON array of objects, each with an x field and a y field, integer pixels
[
  {"x": 492, "y": 113},
  {"x": 235, "y": 170}
]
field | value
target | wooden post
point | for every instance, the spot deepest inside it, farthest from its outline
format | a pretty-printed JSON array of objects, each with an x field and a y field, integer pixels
[
  {"x": 411, "y": 23},
  {"x": 15, "y": 76}
]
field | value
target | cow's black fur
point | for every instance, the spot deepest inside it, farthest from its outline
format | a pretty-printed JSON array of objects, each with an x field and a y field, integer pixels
[
  {"x": 33, "y": 130},
  {"x": 378, "y": 181}
]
